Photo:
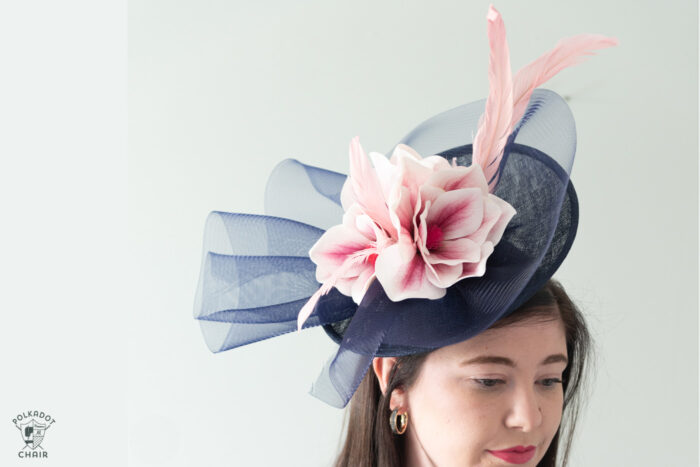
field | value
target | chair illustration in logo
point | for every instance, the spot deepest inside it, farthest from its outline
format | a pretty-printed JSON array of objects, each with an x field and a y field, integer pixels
[{"x": 32, "y": 433}]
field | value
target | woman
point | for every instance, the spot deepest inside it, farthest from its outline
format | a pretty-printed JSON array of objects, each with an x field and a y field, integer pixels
[
  {"x": 463, "y": 414},
  {"x": 437, "y": 260}
]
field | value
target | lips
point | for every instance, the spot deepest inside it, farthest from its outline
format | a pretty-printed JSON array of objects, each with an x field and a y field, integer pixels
[{"x": 516, "y": 454}]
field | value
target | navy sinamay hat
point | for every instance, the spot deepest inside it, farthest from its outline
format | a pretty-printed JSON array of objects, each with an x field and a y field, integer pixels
[{"x": 413, "y": 253}]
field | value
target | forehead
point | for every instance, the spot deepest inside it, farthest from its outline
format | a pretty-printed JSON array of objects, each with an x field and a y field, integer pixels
[{"x": 524, "y": 340}]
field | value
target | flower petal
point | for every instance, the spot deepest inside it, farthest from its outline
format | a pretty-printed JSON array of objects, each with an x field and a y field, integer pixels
[
  {"x": 336, "y": 244},
  {"x": 458, "y": 213},
  {"x": 435, "y": 163},
  {"x": 387, "y": 173},
  {"x": 361, "y": 284},
  {"x": 400, "y": 208},
  {"x": 355, "y": 278},
  {"x": 412, "y": 174},
  {"x": 456, "y": 178},
  {"x": 507, "y": 213},
  {"x": 367, "y": 227},
  {"x": 401, "y": 213},
  {"x": 366, "y": 187},
  {"x": 457, "y": 251},
  {"x": 444, "y": 275},
  {"x": 347, "y": 197},
  {"x": 420, "y": 226},
  {"x": 344, "y": 285},
  {"x": 492, "y": 212},
  {"x": 477, "y": 269},
  {"x": 403, "y": 150},
  {"x": 429, "y": 193},
  {"x": 402, "y": 280}
]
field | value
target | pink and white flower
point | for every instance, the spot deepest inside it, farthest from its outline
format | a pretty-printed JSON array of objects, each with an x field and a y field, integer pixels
[{"x": 418, "y": 225}]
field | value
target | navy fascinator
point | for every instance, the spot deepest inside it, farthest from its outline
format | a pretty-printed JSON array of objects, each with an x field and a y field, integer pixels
[{"x": 429, "y": 245}]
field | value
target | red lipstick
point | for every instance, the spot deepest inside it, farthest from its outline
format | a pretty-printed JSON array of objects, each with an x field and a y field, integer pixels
[{"x": 516, "y": 454}]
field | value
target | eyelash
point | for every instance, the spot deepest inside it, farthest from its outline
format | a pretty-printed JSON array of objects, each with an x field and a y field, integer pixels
[
  {"x": 490, "y": 383},
  {"x": 552, "y": 382}
]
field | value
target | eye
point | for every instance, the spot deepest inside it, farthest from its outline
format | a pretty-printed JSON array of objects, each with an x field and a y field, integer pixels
[
  {"x": 488, "y": 382},
  {"x": 550, "y": 382}
]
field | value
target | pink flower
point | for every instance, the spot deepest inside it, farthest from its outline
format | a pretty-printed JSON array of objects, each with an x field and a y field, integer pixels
[
  {"x": 346, "y": 253},
  {"x": 450, "y": 219},
  {"x": 417, "y": 224}
]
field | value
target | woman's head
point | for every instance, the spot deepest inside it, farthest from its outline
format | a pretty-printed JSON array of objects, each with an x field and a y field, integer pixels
[{"x": 508, "y": 386}]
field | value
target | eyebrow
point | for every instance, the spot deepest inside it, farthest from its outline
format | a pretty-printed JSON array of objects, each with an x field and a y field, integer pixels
[{"x": 555, "y": 358}]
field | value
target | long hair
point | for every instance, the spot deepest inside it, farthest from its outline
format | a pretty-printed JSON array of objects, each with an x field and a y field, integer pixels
[{"x": 369, "y": 441}]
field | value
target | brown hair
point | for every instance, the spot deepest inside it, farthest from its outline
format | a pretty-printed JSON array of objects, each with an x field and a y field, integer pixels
[{"x": 369, "y": 441}]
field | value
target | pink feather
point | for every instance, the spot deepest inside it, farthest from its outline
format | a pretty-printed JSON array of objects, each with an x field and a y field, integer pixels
[
  {"x": 568, "y": 51},
  {"x": 495, "y": 124}
]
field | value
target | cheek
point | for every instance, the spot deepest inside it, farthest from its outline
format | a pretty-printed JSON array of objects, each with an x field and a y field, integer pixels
[
  {"x": 452, "y": 420},
  {"x": 552, "y": 411}
]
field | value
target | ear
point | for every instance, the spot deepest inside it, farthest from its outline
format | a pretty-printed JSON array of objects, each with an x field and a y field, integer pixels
[{"x": 382, "y": 368}]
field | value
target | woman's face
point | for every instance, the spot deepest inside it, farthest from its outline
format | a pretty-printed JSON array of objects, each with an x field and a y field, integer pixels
[{"x": 475, "y": 400}]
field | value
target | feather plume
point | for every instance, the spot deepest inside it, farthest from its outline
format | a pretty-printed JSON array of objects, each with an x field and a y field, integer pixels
[
  {"x": 495, "y": 123},
  {"x": 567, "y": 52}
]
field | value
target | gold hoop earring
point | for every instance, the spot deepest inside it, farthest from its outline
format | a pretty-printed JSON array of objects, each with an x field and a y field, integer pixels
[{"x": 398, "y": 422}]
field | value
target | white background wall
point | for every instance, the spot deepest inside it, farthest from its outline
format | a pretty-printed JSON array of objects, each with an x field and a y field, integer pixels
[
  {"x": 218, "y": 93},
  {"x": 63, "y": 203}
]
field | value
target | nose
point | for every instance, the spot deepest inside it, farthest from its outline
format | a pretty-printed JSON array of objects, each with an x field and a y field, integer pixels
[{"x": 525, "y": 412}]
